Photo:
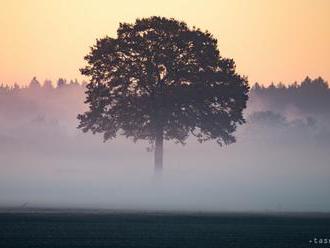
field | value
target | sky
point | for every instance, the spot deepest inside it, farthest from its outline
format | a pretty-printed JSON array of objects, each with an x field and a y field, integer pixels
[{"x": 271, "y": 41}]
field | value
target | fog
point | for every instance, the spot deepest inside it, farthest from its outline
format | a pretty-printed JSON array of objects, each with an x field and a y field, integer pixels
[{"x": 280, "y": 161}]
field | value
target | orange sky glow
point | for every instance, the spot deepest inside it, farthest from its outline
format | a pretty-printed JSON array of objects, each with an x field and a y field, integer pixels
[{"x": 270, "y": 40}]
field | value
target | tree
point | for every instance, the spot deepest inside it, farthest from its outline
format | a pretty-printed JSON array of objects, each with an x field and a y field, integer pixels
[
  {"x": 160, "y": 79},
  {"x": 61, "y": 82},
  {"x": 34, "y": 84}
]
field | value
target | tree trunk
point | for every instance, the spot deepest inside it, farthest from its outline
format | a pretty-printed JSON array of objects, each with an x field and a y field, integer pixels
[{"x": 159, "y": 151}]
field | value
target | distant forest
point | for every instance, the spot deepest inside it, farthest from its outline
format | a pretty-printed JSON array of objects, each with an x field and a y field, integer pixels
[
  {"x": 311, "y": 96},
  {"x": 291, "y": 92},
  {"x": 297, "y": 112}
]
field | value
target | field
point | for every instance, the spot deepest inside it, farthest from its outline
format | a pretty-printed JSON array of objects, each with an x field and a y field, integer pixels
[{"x": 104, "y": 229}]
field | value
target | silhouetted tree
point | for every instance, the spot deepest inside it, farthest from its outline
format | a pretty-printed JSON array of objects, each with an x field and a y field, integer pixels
[
  {"x": 257, "y": 87},
  {"x": 318, "y": 84},
  {"x": 160, "y": 79},
  {"x": 61, "y": 82},
  {"x": 34, "y": 84}
]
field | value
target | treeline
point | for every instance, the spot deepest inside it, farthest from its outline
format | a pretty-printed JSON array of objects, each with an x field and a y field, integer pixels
[
  {"x": 311, "y": 95},
  {"x": 307, "y": 87},
  {"x": 46, "y": 85},
  {"x": 309, "y": 98}
]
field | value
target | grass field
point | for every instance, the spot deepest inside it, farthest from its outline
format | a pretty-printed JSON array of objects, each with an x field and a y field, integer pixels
[{"x": 73, "y": 229}]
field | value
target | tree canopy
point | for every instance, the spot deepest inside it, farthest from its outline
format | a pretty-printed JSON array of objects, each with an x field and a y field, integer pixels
[{"x": 160, "y": 76}]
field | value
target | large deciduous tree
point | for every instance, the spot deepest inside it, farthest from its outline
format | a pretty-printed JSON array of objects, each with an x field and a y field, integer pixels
[{"x": 159, "y": 79}]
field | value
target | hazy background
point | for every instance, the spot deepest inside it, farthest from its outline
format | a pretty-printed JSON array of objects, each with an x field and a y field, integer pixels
[{"x": 280, "y": 161}]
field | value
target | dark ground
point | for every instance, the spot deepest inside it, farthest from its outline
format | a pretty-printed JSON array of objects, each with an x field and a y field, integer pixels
[{"x": 55, "y": 229}]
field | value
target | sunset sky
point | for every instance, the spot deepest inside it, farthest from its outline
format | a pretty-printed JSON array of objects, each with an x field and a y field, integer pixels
[{"x": 274, "y": 40}]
